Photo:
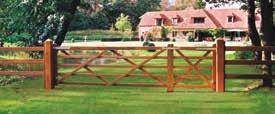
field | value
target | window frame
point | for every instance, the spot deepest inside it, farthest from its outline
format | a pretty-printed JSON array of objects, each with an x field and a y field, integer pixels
[{"x": 199, "y": 20}]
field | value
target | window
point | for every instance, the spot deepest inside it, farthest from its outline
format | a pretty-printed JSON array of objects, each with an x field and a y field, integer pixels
[
  {"x": 231, "y": 19},
  {"x": 175, "y": 21},
  {"x": 174, "y": 34},
  {"x": 199, "y": 20},
  {"x": 158, "y": 22}
]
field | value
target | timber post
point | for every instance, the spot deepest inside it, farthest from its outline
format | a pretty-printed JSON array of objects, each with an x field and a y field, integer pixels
[
  {"x": 220, "y": 65},
  {"x": 48, "y": 65},
  {"x": 170, "y": 68},
  {"x": 214, "y": 67}
]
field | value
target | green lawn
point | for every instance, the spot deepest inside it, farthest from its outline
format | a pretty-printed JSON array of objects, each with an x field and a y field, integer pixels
[{"x": 29, "y": 97}]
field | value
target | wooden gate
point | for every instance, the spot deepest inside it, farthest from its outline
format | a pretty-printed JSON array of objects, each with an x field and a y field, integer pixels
[{"x": 174, "y": 68}]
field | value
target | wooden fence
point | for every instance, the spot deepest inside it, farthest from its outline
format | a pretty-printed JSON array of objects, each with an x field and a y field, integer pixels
[
  {"x": 170, "y": 80},
  {"x": 215, "y": 54}
]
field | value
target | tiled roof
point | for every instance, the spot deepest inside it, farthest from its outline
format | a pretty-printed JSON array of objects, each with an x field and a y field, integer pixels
[{"x": 214, "y": 18}]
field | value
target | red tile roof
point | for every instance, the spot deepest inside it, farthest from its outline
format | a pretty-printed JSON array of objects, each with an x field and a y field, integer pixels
[{"x": 214, "y": 18}]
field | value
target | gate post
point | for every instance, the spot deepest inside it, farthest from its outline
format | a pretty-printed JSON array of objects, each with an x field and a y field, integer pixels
[
  {"x": 214, "y": 68},
  {"x": 220, "y": 65},
  {"x": 48, "y": 65},
  {"x": 170, "y": 68}
]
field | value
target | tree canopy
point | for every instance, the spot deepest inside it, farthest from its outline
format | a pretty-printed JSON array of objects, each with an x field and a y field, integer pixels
[{"x": 42, "y": 19}]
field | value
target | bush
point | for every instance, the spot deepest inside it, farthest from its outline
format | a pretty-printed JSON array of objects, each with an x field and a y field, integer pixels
[
  {"x": 151, "y": 45},
  {"x": 165, "y": 39},
  {"x": 134, "y": 39},
  {"x": 244, "y": 55},
  {"x": 111, "y": 39},
  {"x": 174, "y": 40},
  {"x": 146, "y": 43}
]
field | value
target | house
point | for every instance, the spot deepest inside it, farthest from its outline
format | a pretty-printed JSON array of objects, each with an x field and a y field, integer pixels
[{"x": 234, "y": 21}]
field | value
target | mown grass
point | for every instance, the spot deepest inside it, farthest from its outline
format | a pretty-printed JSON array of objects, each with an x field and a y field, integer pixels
[{"x": 29, "y": 97}]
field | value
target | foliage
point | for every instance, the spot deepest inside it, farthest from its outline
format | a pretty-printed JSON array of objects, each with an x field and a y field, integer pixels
[
  {"x": 200, "y": 4},
  {"x": 243, "y": 55},
  {"x": 164, "y": 32},
  {"x": 146, "y": 43},
  {"x": 123, "y": 23},
  {"x": 151, "y": 45},
  {"x": 190, "y": 37},
  {"x": 47, "y": 18},
  {"x": 217, "y": 33},
  {"x": 183, "y": 4}
]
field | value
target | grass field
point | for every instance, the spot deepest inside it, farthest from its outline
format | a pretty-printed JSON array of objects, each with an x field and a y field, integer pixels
[{"x": 29, "y": 97}]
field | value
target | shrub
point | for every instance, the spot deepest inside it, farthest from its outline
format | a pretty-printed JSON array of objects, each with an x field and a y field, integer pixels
[
  {"x": 111, "y": 39},
  {"x": 190, "y": 37},
  {"x": 165, "y": 39},
  {"x": 244, "y": 55},
  {"x": 146, "y": 43},
  {"x": 151, "y": 45}
]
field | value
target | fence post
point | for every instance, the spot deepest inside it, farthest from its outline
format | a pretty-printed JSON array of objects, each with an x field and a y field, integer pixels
[
  {"x": 170, "y": 68},
  {"x": 220, "y": 65},
  {"x": 214, "y": 67},
  {"x": 48, "y": 65}
]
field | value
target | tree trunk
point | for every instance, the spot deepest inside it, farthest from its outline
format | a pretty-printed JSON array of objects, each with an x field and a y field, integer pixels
[
  {"x": 66, "y": 22},
  {"x": 252, "y": 29},
  {"x": 267, "y": 32}
]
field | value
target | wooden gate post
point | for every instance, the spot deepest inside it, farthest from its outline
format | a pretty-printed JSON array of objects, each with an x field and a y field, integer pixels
[
  {"x": 48, "y": 65},
  {"x": 170, "y": 68},
  {"x": 214, "y": 68},
  {"x": 220, "y": 65}
]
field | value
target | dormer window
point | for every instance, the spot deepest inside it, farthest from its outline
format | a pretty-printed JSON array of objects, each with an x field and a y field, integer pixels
[
  {"x": 159, "y": 21},
  {"x": 175, "y": 21},
  {"x": 231, "y": 19},
  {"x": 199, "y": 20}
]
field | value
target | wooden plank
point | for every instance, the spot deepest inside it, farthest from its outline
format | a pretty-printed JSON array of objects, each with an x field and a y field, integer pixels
[
  {"x": 214, "y": 68},
  {"x": 21, "y": 61},
  {"x": 110, "y": 66},
  {"x": 220, "y": 65},
  {"x": 108, "y": 48},
  {"x": 196, "y": 48},
  {"x": 189, "y": 77},
  {"x": 113, "y": 75},
  {"x": 191, "y": 86},
  {"x": 126, "y": 84},
  {"x": 249, "y": 76},
  {"x": 248, "y": 62},
  {"x": 170, "y": 69},
  {"x": 21, "y": 49},
  {"x": 129, "y": 57},
  {"x": 22, "y": 73},
  {"x": 250, "y": 48},
  {"x": 48, "y": 65}
]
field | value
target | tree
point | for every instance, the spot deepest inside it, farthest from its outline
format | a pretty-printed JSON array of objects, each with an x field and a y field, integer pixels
[
  {"x": 267, "y": 35},
  {"x": 199, "y": 4},
  {"x": 164, "y": 4},
  {"x": 123, "y": 23},
  {"x": 267, "y": 29},
  {"x": 182, "y": 4}
]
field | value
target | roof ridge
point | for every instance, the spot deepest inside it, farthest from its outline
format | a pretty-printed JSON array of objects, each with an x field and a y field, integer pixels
[{"x": 212, "y": 18}]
